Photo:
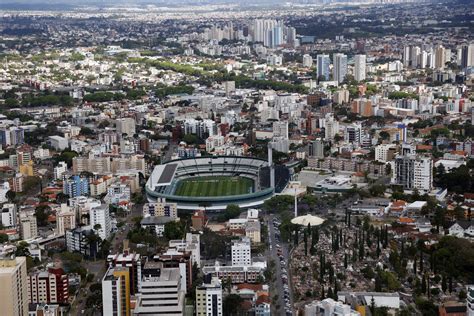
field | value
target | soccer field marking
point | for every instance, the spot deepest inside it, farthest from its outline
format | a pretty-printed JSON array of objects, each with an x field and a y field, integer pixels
[{"x": 214, "y": 186}]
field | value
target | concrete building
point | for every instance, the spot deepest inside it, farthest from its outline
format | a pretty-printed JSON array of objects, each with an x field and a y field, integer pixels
[
  {"x": 353, "y": 133},
  {"x": 65, "y": 219},
  {"x": 331, "y": 127},
  {"x": 9, "y": 215},
  {"x": 413, "y": 172},
  {"x": 359, "y": 67},
  {"x": 209, "y": 299},
  {"x": 191, "y": 244},
  {"x": 307, "y": 61},
  {"x": 160, "y": 208},
  {"x": 316, "y": 148},
  {"x": 241, "y": 253},
  {"x": 58, "y": 142},
  {"x": 160, "y": 292},
  {"x": 280, "y": 129},
  {"x": 60, "y": 170},
  {"x": 75, "y": 186},
  {"x": 13, "y": 286},
  {"x": 322, "y": 70},
  {"x": 28, "y": 225},
  {"x": 339, "y": 70},
  {"x": 100, "y": 215},
  {"x": 125, "y": 125},
  {"x": 385, "y": 152},
  {"x": 131, "y": 261},
  {"x": 329, "y": 307},
  {"x": 470, "y": 300},
  {"x": 116, "y": 292},
  {"x": 76, "y": 241},
  {"x": 48, "y": 287}
]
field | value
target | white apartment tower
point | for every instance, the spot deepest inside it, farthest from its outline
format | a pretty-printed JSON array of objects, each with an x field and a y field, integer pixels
[
  {"x": 339, "y": 70},
  {"x": 160, "y": 292},
  {"x": 125, "y": 125},
  {"x": 241, "y": 254},
  {"x": 100, "y": 215},
  {"x": 9, "y": 215},
  {"x": 307, "y": 61},
  {"x": 413, "y": 172},
  {"x": 280, "y": 129},
  {"x": 331, "y": 127},
  {"x": 60, "y": 170},
  {"x": 359, "y": 67},
  {"x": 28, "y": 225}
]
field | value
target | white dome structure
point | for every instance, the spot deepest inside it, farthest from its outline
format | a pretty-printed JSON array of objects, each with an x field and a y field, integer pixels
[{"x": 308, "y": 219}]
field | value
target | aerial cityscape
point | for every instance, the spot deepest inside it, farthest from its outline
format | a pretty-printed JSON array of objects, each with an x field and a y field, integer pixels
[{"x": 234, "y": 158}]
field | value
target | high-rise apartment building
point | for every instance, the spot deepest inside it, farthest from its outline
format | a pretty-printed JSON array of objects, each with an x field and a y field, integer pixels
[
  {"x": 280, "y": 129},
  {"x": 75, "y": 186},
  {"x": 116, "y": 292},
  {"x": 47, "y": 287},
  {"x": 100, "y": 220},
  {"x": 467, "y": 55},
  {"x": 385, "y": 152},
  {"x": 413, "y": 172},
  {"x": 331, "y": 127},
  {"x": 209, "y": 299},
  {"x": 125, "y": 125},
  {"x": 65, "y": 219},
  {"x": 13, "y": 286},
  {"x": 359, "y": 67},
  {"x": 161, "y": 292},
  {"x": 28, "y": 225},
  {"x": 9, "y": 215},
  {"x": 316, "y": 148},
  {"x": 339, "y": 70},
  {"x": 307, "y": 61},
  {"x": 440, "y": 57},
  {"x": 322, "y": 69},
  {"x": 353, "y": 133},
  {"x": 241, "y": 253},
  {"x": 132, "y": 261}
]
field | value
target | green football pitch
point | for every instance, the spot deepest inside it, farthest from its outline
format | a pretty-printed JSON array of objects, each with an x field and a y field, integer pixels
[{"x": 214, "y": 186}]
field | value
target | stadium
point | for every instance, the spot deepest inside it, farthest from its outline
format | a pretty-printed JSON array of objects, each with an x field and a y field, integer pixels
[{"x": 215, "y": 182}]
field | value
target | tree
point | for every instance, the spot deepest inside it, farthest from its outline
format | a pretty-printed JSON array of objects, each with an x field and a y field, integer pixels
[
  {"x": 86, "y": 131},
  {"x": 231, "y": 211},
  {"x": 42, "y": 214},
  {"x": 384, "y": 135},
  {"x": 22, "y": 249},
  {"x": 11, "y": 195},
  {"x": 232, "y": 304},
  {"x": 444, "y": 285},
  {"x": 190, "y": 139},
  {"x": 174, "y": 230},
  {"x": 3, "y": 238},
  {"x": 423, "y": 285}
]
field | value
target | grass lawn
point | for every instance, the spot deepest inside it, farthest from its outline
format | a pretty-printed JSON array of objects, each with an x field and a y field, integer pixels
[{"x": 214, "y": 186}]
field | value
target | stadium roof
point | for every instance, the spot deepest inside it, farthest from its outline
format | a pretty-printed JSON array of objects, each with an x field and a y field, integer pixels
[{"x": 308, "y": 219}]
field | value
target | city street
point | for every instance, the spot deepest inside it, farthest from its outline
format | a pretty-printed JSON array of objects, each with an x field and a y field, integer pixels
[{"x": 279, "y": 285}]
